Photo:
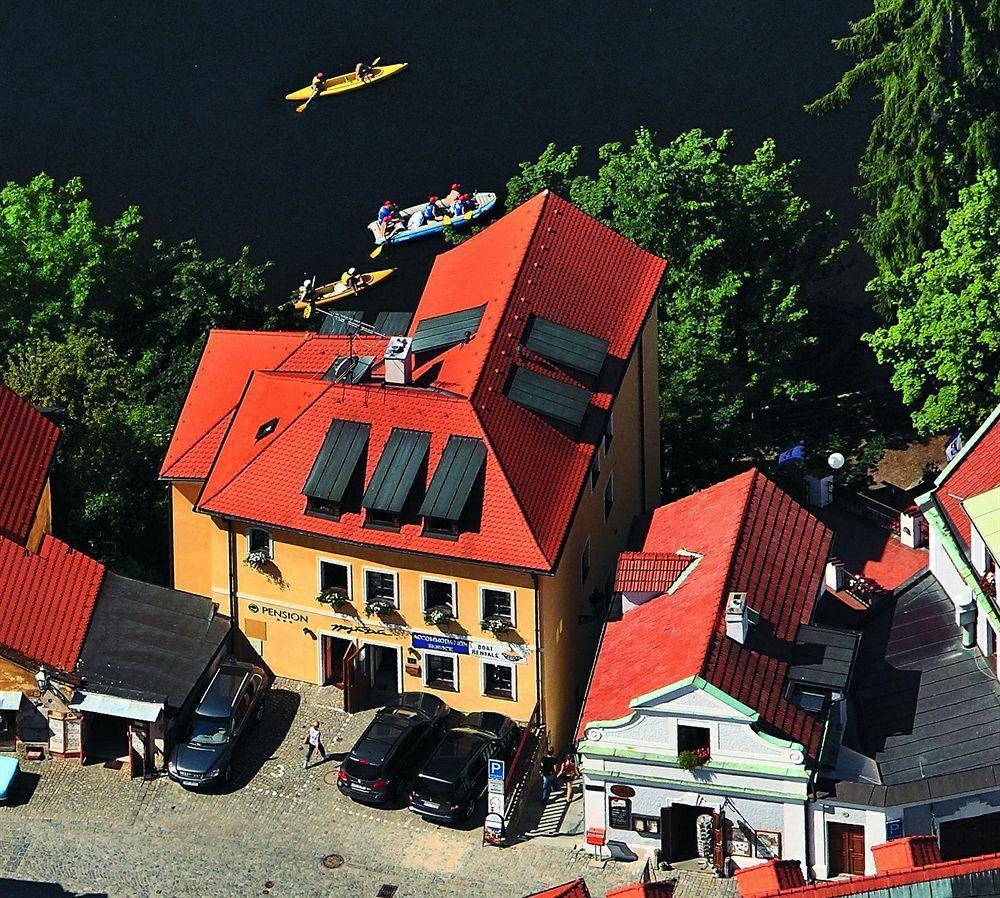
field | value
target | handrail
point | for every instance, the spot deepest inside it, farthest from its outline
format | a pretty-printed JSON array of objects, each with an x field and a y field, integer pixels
[{"x": 517, "y": 762}]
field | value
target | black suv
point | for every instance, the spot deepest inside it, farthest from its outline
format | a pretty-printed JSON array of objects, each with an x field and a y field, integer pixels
[
  {"x": 454, "y": 777},
  {"x": 233, "y": 699},
  {"x": 375, "y": 768}
]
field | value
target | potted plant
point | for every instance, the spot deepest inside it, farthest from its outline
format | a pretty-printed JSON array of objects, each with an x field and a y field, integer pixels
[
  {"x": 438, "y": 616},
  {"x": 258, "y": 559},
  {"x": 693, "y": 759},
  {"x": 495, "y": 624},
  {"x": 334, "y": 596},
  {"x": 379, "y": 607}
]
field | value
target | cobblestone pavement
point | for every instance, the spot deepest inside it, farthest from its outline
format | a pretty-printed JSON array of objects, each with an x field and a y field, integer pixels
[{"x": 95, "y": 832}]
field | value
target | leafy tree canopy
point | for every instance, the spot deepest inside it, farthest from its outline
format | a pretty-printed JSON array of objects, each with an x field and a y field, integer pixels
[
  {"x": 743, "y": 247},
  {"x": 944, "y": 346},
  {"x": 934, "y": 66},
  {"x": 108, "y": 327}
]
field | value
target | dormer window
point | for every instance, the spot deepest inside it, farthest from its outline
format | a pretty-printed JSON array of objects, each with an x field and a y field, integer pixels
[
  {"x": 693, "y": 738},
  {"x": 402, "y": 464},
  {"x": 449, "y": 502},
  {"x": 266, "y": 429}
]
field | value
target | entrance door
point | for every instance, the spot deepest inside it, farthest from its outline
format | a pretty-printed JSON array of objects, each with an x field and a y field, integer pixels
[
  {"x": 357, "y": 683},
  {"x": 970, "y": 837},
  {"x": 384, "y": 673},
  {"x": 845, "y": 849},
  {"x": 991, "y": 647},
  {"x": 679, "y": 831},
  {"x": 333, "y": 650}
]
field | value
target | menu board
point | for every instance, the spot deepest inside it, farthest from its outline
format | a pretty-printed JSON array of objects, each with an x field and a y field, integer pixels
[
  {"x": 620, "y": 813},
  {"x": 57, "y": 735}
]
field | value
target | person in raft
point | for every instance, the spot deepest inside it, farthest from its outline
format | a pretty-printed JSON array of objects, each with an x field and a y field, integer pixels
[
  {"x": 465, "y": 203},
  {"x": 433, "y": 210},
  {"x": 353, "y": 280},
  {"x": 363, "y": 71},
  {"x": 452, "y": 197},
  {"x": 388, "y": 218}
]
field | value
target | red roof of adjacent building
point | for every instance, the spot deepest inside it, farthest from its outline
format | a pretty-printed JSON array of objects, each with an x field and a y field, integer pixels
[
  {"x": 545, "y": 258},
  {"x": 47, "y": 600},
  {"x": 27, "y": 445},
  {"x": 753, "y": 538},
  {"x": 576, "y": 888},
  {"x": 975, "y": 471}
]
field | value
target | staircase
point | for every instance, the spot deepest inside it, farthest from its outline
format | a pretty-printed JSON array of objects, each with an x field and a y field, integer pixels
[{"x": 553, "y": 812}]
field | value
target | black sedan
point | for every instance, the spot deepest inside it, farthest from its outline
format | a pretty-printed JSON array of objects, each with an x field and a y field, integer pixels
[
  {"x": 454, "y": 777},
  {"x": 375, "y": 769}
]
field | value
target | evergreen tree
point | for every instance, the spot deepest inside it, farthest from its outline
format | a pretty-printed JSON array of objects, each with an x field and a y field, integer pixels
[{"x": 934, "y": 66}]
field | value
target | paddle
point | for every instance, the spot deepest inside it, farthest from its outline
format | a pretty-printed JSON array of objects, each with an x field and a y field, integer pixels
[
  {"x": 316, "y": 90},
  {"x": 375, "y": 62}
]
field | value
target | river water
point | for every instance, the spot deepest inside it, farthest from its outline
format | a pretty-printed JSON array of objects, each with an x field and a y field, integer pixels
[{"x": 177, "y": 106}]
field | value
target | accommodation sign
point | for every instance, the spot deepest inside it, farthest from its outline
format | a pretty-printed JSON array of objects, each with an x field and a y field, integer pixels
[
  {"x": 491, "y": 651},
  {"x": 285, "y": 615}
]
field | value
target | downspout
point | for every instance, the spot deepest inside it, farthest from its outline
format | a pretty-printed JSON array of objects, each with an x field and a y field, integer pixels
[
  {"x": 538, "y": 654},
  {"x": 233, "y": 588},
  {"x": 642, "y": 422}
]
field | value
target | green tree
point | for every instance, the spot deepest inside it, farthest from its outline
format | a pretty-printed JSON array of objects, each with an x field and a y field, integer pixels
[
  {"x": 934, "y": 66},
  {"x": 109, "y": 326},
  {"x": 743, "y": 247},
  {"x": 944, "y": 344}
]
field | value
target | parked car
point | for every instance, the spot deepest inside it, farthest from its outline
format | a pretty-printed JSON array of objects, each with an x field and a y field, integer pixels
[
  {"x": 454, "y": 777},
  {"x": 8, "y": 773},
  {"x": 233, "y": 700},
  {"x": 376, "y": 768}
]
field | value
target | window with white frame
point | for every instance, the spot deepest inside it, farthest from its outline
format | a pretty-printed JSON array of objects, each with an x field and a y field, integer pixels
[
  {"x": 609, "y": 431},
  {"x": 334, "y": 578},
  {"x": 381, "y": 586},
  {"x": 440, "y": 671},
  {"x": 439, "y": 594},
  {"x": 496, "y": 604},
  {"x": 499, "y": 680},
  {"x": 259, "y": 540},
  {"x": 609, "y": 496}
]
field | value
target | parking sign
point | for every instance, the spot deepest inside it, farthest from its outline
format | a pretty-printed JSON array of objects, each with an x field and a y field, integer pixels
[{"x": 496, "y": 769}]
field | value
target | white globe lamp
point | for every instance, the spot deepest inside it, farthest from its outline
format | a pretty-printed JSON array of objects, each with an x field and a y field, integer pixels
[{"x": 836, "y": 461}]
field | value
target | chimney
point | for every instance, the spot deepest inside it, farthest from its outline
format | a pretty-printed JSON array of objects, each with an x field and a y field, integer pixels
[
  {"x": 737, "y": 621},
  {"x": 836, "y": 575},
  {"x": 399, "y": 361},
  {"x": 774, "y": 876},
  {"x": 906, "y": 853}
]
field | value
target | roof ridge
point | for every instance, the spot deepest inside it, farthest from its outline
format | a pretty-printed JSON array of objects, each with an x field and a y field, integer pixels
[
  {"x": 733, "y": 552},
  {"x": 203, "y": 499}
]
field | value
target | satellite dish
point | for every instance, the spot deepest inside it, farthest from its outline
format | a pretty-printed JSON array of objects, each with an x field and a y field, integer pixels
[{"x": 836, "y": 461}]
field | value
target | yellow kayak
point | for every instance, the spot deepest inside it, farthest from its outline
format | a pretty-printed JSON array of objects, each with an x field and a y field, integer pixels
[
  {"x": 336, "y": 291},
  {"x": 343, "y": 83}
]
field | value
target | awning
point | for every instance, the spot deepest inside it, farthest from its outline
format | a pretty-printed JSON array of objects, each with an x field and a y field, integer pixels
[
  {"x": 10, "y": 701},
  {"x": 114, "y": 706},
  {"x": 984, "y": 510}
]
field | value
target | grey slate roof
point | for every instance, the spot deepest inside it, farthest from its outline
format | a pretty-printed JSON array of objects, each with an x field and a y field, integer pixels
[
  {"x": 823, "y": 657},
  {"x": 148, "y": 642},
  {"x": 924, "y": 708}
]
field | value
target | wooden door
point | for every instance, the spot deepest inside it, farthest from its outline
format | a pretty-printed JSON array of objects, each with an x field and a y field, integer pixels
[
  {"x": 666, "y": 843},
  {"x": 991, "y": 647},
  {"x": 845, "y": 849},
  {"x": 357, "y": 682}
]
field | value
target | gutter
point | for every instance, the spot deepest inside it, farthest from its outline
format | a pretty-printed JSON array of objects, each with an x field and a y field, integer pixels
[{"x": 233, "y": 587}]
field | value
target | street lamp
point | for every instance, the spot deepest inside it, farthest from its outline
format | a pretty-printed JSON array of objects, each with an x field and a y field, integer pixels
[
  {"x": 836, "y": 461},
  {"x": 42, "y": 680}
]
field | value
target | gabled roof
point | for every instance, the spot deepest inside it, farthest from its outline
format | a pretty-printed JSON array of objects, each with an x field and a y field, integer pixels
[
  {"x": 576, "y": 888},
  {"x": 545, "y": 258},
  {"x": 27, "y": 444},
  {"x": 46, "y": 601},
  {"x": 649, "y": 571},
  {"x": 753, "y": 538},
  {"x": 974, "y": 471}
]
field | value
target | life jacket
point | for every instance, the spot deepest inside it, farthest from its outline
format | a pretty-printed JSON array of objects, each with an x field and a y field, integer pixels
[{"x": 384, "y": 213}]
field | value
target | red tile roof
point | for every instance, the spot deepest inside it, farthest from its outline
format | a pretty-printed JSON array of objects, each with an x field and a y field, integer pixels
[
  {"x": 47, "y": 600},
  {"x": 885, "y": 884},
  {"x": 27, "y": 445},
  {"x": 545, "y": 258},
  {"x": 753, "y": 538},
  {"x": 649, "y": 571},
  {"x": 663, "y": 889},
  {"x": 977, "y": 471},
  {"x": 577, "y": 888}
]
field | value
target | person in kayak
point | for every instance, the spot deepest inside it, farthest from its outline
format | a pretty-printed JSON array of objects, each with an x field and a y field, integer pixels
[
  {"x": 307, "y": 292},
  {"x": 388, "y": 218},
  {"x": 353, "y": 280},
  {"x": 363, "y": 71},
  {"x": 317, "y": 82},
  {"x": 433, "y": 211}
]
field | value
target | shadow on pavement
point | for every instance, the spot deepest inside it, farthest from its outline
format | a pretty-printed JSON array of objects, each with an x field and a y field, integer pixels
[
  {"x": 259, "y": 745},
  {"x": 22, "y": 789},
  {"x": 19, "y": 888}
]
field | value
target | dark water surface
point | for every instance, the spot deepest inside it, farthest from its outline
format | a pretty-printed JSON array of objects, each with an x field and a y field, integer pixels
[{"x": 177, "y": 106}]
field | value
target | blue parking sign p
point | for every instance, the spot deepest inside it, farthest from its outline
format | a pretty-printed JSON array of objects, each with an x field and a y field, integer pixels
[{"x": 495, "y": 769}]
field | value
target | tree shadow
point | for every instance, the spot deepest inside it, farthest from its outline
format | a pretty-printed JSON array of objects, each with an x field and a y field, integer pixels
[
  {"x": 20, "y": 888},
  {"x": 21, "y": 790}
]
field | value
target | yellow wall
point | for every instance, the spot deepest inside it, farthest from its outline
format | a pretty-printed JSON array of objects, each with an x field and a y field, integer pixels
[
  {"x": 569, "y": 644},
  {"x": 43, "y": 519},
  {"x": 196, "y": 539}
]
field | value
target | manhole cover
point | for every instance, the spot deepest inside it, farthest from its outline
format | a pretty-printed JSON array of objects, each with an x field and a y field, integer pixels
[
  {"x": 331, "y": 778},
  {"x": 386, "y": 891},
  {"x": 332, "y": 861}
]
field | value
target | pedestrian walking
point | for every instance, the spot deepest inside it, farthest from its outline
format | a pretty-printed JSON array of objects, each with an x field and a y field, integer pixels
[
  {"x": 548, "y": 774},
  {"x": 313, "y": 741},
  {"x": 569, "y": 772}
]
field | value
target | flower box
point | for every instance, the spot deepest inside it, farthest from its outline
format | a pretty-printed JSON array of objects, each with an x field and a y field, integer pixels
[
  {"x": 335, "y": 597},
  {"x": 379, "y": 607},
  {"x": 258, "y": 559},
  {"x": 438, "y": 616},
  {"x": 692, "y": 760},
  {"x": 495, "y": 625}
]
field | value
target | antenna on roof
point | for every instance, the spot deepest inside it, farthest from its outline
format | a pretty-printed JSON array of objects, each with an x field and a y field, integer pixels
[{"x": 352, "y": 326}]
